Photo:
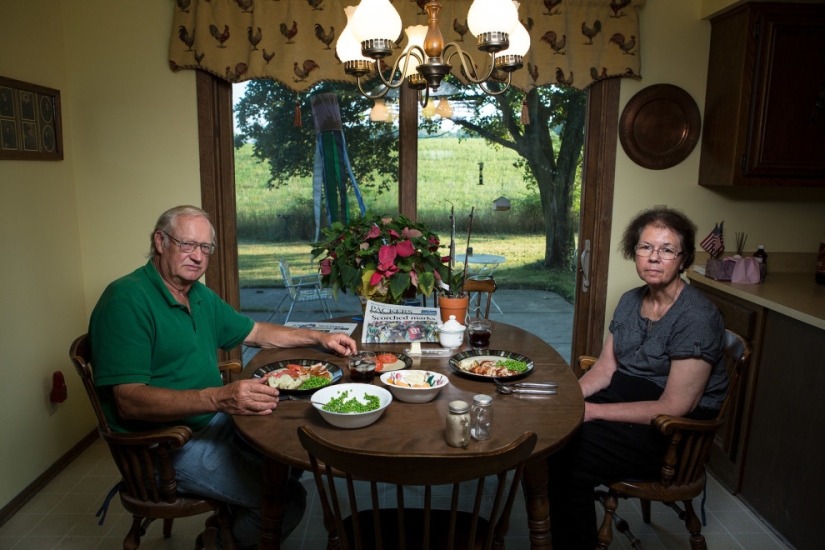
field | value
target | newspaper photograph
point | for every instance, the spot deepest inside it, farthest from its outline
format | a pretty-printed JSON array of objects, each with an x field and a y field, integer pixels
[{"x": 389, "y": 323}]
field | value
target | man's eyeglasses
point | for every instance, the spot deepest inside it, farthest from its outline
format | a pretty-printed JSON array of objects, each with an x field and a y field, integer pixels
[
  {"x": 189, "y": 246},
  {"x": 665, "y": 253}
]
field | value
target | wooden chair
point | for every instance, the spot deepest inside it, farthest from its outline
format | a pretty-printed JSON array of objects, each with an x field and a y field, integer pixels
[
  {"x": 137, "y": 455},
  {"x": 478, "y": 287},
  {"x": 305, "y": 288},
  {"x": 411, "y": 528},
  {"x": 683, "y": 465}
]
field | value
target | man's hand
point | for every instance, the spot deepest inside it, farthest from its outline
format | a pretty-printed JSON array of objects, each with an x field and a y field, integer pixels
[
  {"x": 247, "y": 397},
  {"x": 338, "y": 342}
]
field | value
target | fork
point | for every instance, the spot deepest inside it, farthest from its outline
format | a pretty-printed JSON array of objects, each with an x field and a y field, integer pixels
[
  {"x": 507, "y": 390},
  {"x": 536, "y": 385}
]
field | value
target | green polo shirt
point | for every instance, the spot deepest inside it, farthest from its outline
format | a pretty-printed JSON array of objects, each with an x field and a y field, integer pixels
[{"x": 141, "y": 334}]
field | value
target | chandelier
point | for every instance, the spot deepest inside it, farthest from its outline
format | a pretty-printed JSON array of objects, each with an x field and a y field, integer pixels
[{"x": 374, "y": 26}]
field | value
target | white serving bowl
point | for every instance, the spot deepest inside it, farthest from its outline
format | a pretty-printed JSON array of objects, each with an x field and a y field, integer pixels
[
  {"x": 351, "y": 420},
  {"x": 410, "y": 394}
]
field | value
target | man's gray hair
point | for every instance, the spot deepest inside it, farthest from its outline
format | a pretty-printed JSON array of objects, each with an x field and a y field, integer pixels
[{"x": 167, "y": 223}]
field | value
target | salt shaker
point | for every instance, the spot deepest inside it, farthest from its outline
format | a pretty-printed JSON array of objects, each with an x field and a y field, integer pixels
[
  {"x": 458, "y": 424},
  {"x": 481, "y": 422}
]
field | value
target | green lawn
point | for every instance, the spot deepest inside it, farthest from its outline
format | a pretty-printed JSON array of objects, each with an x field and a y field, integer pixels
[{"x": 258, "y": 263}]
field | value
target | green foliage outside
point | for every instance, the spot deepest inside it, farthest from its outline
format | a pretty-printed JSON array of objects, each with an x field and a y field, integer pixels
[{"x": 264, "y": 237}]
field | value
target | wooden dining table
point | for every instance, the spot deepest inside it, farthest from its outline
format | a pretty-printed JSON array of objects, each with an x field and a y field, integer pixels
[{"x": 420, "y": 428}]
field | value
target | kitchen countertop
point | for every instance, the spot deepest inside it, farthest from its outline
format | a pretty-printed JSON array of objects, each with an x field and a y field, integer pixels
[{"x": 793, "y": 294}]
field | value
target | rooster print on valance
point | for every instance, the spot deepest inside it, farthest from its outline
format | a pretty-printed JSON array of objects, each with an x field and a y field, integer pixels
[{"x": 573, "y": 42}]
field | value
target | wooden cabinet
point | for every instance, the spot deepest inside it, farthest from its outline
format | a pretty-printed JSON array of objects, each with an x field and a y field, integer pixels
[
  {"x": 764, "y": 122},
  {"x": 782, "y": 479},
  {"x": 727, "y": 454}
]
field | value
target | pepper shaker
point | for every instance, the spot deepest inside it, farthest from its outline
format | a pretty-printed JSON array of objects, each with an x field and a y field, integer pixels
[
  {"x": 481, "y": 424},
  {"x": 458, "y": 424}
]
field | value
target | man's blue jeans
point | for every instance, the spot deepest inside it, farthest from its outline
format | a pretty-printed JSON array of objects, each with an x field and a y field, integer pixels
[{"x": 217, "y": 463}]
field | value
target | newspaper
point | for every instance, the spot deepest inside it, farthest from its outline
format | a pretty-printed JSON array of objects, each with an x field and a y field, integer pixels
[
  {"x": 388, "y": 323},
  {"x": 347, "y": 328}
]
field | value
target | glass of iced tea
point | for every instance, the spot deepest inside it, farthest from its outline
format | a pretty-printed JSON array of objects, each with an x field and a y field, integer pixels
[
  {"x": 362, "y": 367},
  {"x": 479, "y": 330}
]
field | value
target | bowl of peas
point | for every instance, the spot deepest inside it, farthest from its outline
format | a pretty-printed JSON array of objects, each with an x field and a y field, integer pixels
[{"x": 351, "y": 405}]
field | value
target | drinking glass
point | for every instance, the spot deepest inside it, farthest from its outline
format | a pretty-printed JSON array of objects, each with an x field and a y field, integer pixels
[
  {"x": 362, "y": 367},
  {"x": 479, "y": 330}
]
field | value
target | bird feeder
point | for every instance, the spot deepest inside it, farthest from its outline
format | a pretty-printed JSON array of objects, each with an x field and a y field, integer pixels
[{"x": 501, "y": 204}]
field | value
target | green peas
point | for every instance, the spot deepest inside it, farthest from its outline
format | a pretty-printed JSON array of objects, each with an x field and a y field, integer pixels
[
  {"x": 314, "y": 382},
  {"x": 340, "y": 404},
  {"x": 512, "y": 364}
]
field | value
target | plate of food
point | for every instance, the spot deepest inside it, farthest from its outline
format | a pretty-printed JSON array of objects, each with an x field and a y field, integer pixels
[
  {"x": 491, "y": 363},
  {"x": 299, "y": 376},
  {"x": 389, "y": 361}
]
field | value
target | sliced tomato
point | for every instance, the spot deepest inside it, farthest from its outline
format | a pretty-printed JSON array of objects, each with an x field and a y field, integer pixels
[
  {"x": 379, "y": 366},
  {"x": 387, "y": 358}
]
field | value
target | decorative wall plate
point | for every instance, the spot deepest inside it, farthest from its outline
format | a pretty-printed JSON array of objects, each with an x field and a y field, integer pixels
[{"x": 660, "y": 126}]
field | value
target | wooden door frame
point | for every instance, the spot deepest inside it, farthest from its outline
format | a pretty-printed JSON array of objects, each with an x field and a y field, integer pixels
[{"x": 217, "y": 163}]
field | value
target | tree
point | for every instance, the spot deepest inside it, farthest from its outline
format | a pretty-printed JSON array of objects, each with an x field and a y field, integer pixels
[
  {"x": 552, "y": 169},
  {"x": 266, "y": 116},
  {"x": 548, "y": 165}
]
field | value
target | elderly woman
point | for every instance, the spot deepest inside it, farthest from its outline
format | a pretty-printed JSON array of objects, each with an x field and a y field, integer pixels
[{"x": 663, "y": 355}]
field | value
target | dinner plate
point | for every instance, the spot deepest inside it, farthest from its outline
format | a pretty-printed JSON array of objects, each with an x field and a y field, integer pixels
[
  {"x": 404, "y": 362},
  {"x": 482, "y": 354},
  {"x": 334, "y": 370}
]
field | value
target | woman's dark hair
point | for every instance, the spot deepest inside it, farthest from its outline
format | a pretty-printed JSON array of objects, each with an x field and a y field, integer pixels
[{"x": 668, "y": 218}]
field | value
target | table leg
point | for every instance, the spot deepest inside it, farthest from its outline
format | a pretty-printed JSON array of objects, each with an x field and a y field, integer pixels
[
  {"x": 276, "y": 475},
  {"x": 538, "y": 505}
]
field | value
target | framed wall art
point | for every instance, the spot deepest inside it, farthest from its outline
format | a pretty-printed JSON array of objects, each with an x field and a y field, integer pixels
[{"x": 30, "y": 125}]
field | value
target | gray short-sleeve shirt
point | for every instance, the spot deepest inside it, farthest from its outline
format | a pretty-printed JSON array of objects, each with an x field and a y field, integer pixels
[{"x": 691, "y": 328}]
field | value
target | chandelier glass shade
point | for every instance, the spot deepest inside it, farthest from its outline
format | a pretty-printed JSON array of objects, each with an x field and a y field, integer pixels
[{"x": 374, "y": 27}]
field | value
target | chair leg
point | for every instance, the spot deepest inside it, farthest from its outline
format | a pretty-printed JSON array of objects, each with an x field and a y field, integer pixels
[
  {"x": 167, "y": 527},
  {"x": 132, "y": 540},
  {"x": 605, "y": 535},
  {"x": 645, "y": 509},
  {"x": 697, "y": 540},
  {"x": 291, "y": 307}
]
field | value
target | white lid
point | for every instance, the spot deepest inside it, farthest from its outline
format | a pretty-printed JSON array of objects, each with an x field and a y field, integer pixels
[
  {"x": 459, "y": 406},
  {"x": 761, "y": 247},
  {"x": 452, "y": 325}
]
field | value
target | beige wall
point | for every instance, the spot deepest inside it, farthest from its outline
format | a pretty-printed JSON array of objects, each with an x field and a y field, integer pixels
[
  {"x": 70, "y": 227},
  {"x": 675, "y": 48},
  {"x": 130, "y": 134}
]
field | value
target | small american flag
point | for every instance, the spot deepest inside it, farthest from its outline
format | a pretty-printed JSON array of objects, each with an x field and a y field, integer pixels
[{"x": 714, "y": 243}]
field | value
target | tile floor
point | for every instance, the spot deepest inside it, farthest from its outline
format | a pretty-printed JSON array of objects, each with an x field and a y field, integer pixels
[{"x": 62, "y": 516}]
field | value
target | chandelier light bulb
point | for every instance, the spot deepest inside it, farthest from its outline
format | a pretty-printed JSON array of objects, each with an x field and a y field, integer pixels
[
  {"x": 347, "y": 47},
  {"x": 487, "y": 16},
  {"x": 429, "y": 110},
  {"x": 444, "y": 109},
  {"x": 379, "y": 112},
  {"x": 376, "y": 19},
  {"x": 519, "y": 41},
  {"x": 415, "y": 37}
]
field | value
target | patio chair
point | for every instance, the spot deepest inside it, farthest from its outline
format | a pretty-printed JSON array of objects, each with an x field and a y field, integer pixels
[
  {"x": 148, "y": 489},
  {"x": 683, "y": 465},
  {"x": 479, "y": 287},
  {"x": 436, "y": 527},
  {"x": 305, "y": 288}
]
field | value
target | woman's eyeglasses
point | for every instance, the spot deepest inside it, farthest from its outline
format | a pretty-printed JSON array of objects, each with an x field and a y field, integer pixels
[
  {"x": 665, "y": 253},
  {"x": 188, "y": 247}
]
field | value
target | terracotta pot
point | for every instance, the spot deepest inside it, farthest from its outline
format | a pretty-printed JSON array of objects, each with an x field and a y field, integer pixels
[{"x": 454, "y": 306}]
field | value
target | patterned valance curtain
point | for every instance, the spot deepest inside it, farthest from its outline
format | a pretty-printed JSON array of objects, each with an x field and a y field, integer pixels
[{"x": 573, "y": 42}]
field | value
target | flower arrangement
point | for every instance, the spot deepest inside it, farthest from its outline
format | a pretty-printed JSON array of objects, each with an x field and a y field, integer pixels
[{"x": 381, "y": 256}]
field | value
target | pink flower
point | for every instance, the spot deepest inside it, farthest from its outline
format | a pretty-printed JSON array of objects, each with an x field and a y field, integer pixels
[
  {"x": 386, "y": 265},
  {"x": 405, "y": 248},
  {"x": 375, "y": 231},
  {"x": 326, "y": 266}
]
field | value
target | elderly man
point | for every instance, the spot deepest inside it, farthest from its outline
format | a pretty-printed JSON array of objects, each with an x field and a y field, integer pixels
[{"x": 155, "y": 335}]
